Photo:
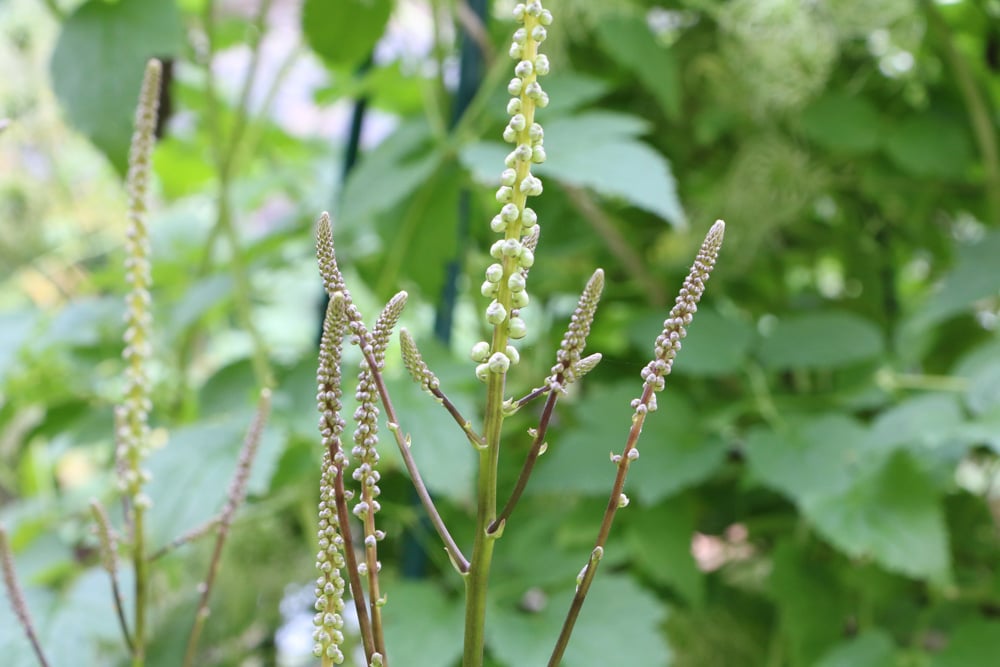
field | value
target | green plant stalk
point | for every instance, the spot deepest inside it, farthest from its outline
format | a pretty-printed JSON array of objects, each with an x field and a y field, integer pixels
[{"x": 477, "y": 581}]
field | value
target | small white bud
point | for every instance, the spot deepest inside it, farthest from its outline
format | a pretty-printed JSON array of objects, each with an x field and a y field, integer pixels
[
  {"x": 522, "y": 152},
  {"x": 511, "y": 160},
  {"x": 508, "y": 177},
  {"x": 539, "y": 34},
  {"x": 488, "y": 289},
  {"x": 519, "y": 10},
  {"x": 622, "y": 501},
  {"x": 516, "y": 51},
  {"x": 535, "y": 132},
  {"x": 516, "y": 282},
  {"x": 504, "y": 194},
  {"x": 534, "y": 8},
  {"x": 541, "y": 64},
  {"x": 496, "y": 250},
  {"x": 520, "y": 35},
  {"x": 527, "y": 258},
  {"x": 517, "y": 329},
  {"x": 498, "y": 224},
  {"x": 529, "y": 217},
  {"x": 483, "y": 372},
  {"x": 509, "y": 134},
  {"x": 524, "y": 69},
  {"x": 545, "y": 18},
  {"x": 633, "y": 454},
  {"x": 538, "y": 154},
  {"x": 533, "y": 90},
  {"x": 518, "y": 122},
  {"x": 480, "y": 351},
  {"x": 513, "y": 106},
  {"x": 496, "y": 313},
  {"x": 543, "y": 100},
  {"x": 519, "y": 299},
  {"x": 499, "y": 363},
  {"x": 511, "y": 247},
  {"x": 514, "y": 87},
  {"x": 509, "y": 212},
  {"x": 515, "y": 356},
  {"x": 494, "y": 272}
]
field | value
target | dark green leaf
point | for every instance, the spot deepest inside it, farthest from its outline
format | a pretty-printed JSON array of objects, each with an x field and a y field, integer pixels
[
  {"x": 976, "y": 642},
  {"x": 629, "y": 41},
  {"x": 659, "y": 539},
  {"x": 930, "y": 146},
  {"x": 716, "y": 344},
  {"x": 344, "y": 32},
  {"x": 874, "y": 648},
  {"x": 820, "y": 340},
  {"x": 98, "y": 64},
  {"x": 422, "y": 625},
  {"x": 842, "y": 123}
]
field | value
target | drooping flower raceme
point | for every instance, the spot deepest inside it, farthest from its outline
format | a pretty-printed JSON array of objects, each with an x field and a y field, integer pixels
[{"x": 514, "y": 253}]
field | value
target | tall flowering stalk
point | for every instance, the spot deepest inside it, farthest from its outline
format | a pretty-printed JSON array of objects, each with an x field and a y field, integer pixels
[
  {"x": 132, "y": 416},
  {"x": 505, "y": 285}
]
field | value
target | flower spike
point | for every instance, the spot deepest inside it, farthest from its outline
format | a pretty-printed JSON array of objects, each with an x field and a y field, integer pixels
[{"x": 569, "y": 357}]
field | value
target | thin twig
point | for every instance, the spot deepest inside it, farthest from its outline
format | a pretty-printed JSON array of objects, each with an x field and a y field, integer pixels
[
  {"x": 234, "y": 498},
  {"x": 16, "y": 596},
  {"x": 466, "y": 426},
  {"x": 615, "y": 501},
  {"x": 109, "y": 559},
  {"x": 458, "y": 559},
  {"x": 529, "y": 464}
]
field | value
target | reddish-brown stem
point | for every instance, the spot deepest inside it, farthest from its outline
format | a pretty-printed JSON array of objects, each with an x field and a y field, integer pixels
[
  {"x": 583, "y": 585},
  {"x": 529, "y": 463},
  {"x": 16, "y": 596}
]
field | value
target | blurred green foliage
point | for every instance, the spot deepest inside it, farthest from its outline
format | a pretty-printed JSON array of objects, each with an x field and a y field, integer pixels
[{"x": 819, "y": 486}]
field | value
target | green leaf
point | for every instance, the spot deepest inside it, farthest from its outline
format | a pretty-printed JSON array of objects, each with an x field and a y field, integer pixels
[
  {"x": 344, "y": 32},
  {"x": 826, "y": 339},
  {"x": 810, "y": 456},
  {"x": 924, "y": 421},
  {"x": 976, "y": 642},
  {"x": 930, "y": 145},
  {"x": 421, "y": 624},
  {"x": 809, "y": 601},
  {"x": 191, "y": 473},
  {"x": 16, "y": 328},
  {"x": 444, "y": 456},
  {"x": 893, "y": 516},
  {"x": 873, "y": 648},
  {"x": 98, "y": 64},
  {"x": 983, "y": 393},
  {"x": 675, "y": 454},
  {"x": 618, "y": 619},
  {"x": 716, "y": 344},
  {"x": 628, "y": 40},
  {"x": 975, "y": 276},
  {"x": 387, "y": 175},
  {"x": 846, "y": 124},
  {"x": 570, "y": 91},
  {"x": 659, "y": 539}
]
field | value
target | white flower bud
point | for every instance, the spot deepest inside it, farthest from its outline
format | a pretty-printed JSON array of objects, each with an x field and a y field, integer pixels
[
  {"x": 622, "y": 501},
  {"x": 499, "y": 363},
  {"x": 517, "y": 122},
  {"x": 511, "y": 247},
  {"x": 633, "y": 454},
  {"x": 539, "y": 34},
  {"x": 520, "y": 36},
  {"x": 511, "y": 160},
  {"x": 522, "y": 152},
  {"x": 514, "y": 87},
  {"x": 533, "y": 90},
  {"x": 498, "y": 224},
  {"x": 541, "y": 64},
  {"x": 509, "y": 212},
  {"x": 519, "y": 299},
  {"x": 531, "y": 185},
  {"x": 515, "y": 51},
  {"x": 515, "y": 356},
  {"x": 496, "y": 250},
  {"x": 513, "y": 106},
  {"x": 526, "y": 258},
  {"x": 545, "y": 18},
  {"x": 529, "y": 217},
  {"x": 517, "y": 329},
  {"x": 508, "y": 177},
  {"x": 483, "y": 372},
  {"x": 524, "y": 69},
  {"x": 536, "y": 133},
  {"x": 509, "y": 134},
  {"x": 519, "y": 11},
  {"x": 494, "y": 272},
  {"x": 516, "y": 282},
  {"x": 496, "y": 313},
  {"x": 538, "y": 154},
  {"x": 534, "y": 8},
  {"x": 543, "y": 100},
  {"x": 480, "y": 351},
  {"x": 504, "y": 194},
  {"x": 488, "y": 289}
]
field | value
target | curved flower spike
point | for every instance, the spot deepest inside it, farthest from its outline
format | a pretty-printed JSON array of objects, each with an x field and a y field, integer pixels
[
  {"x": 385, "y": 324},
  {"x": 415, "y": 364},
  {"x": 668, "y": 343},
  {"x": 573, "y": 342}
]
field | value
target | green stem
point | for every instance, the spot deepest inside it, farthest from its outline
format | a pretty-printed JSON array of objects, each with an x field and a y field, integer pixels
[{"x": 140, "y": 565}]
